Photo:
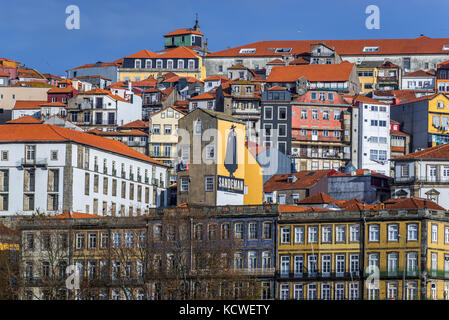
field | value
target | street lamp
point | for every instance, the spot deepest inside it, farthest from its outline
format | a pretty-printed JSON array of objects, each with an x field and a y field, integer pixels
[{"x": 403, "y": 270}]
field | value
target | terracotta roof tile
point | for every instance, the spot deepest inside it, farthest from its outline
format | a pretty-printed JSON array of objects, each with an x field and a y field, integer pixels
[
  {"x": 312, "y": 72},
  {"x": 203, "y": 96},
  {"x": 305, "y": 180},
  {"x": 136, "y": 124},
  {"x": 24, "y": 120},
  {"x": 75, "y": 215},
  {"x": 412, "y": 203},
  {"x": 437, "y": 152},
  {"x": 418, "y": 73},
  {"x": 286, "y": 208},
  {"x": 46, "y": 132},
  {"x": 28, "y": 104},
  {"x": 179, "y": 32},
  {"x": 143, "y": 54},
  {"x": 318, "y": 198}
]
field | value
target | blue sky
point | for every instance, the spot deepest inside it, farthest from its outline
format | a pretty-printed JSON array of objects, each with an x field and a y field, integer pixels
[{"x": 34, "y": 32}]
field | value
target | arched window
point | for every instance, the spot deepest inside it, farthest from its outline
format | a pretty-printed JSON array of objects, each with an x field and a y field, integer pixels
[
  {"x": 169, "y": 64},
  {"x": 180, "y": 64},
  {"x": 148, "y": 64},
  {"x": 137, "y": 64},
  {"x": 198, "y": 126}
]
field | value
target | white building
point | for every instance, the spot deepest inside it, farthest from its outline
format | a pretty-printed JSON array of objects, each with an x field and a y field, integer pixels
[
  {"x": 423, "y": 174},
  {"x": 51, "y": 169},
  {"x": 419, "y": 80},
  {"x": 373, "y": 135},
  {"x": 38, "y": 109},
  {"x": 102, "y": 109},
  {"x": 213, "y": 82}
]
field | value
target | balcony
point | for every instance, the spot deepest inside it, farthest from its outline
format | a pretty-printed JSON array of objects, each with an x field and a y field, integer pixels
[
  {"x": 37, "y": 162},
  {"x": 86, "y": 105},
  {"x": 391, "y": 79},
  {"x": 131, "y": 176},
  {"x": 114, "y": 172},
  {"x": 96, "y": 167},
  {"x": 139, "y": 178},
  {"x": 136, "y": 143},
  {"x": 256, "y": 271},
  {"x": 426, "y": 179},
  {"x": 318, "y": 275},
  {"x": 399, "y": 273},
  {"x": 105, "y": 170},
  {"x": 123, "y": 174},
  {"x": 147, "y": 180}
]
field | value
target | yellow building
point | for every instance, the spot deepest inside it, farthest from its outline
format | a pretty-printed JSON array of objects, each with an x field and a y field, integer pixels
[
  {"x": 433, "y": 127},
  {"x": 164, "y": 137},
  {"x": 216, "y": 167},
  {"x": 337, "y": 255},
  {"x": 367, "y": 72},
  {"x": 183, "y": 61}
]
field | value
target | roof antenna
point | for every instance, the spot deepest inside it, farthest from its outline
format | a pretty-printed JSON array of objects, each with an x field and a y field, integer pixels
[{"x": 196, "y": 27}]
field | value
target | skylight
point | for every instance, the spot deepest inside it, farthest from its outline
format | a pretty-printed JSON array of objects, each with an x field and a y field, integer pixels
[
  {"x": 247, "y": 50},
  {"x": 283, "y": 50},
  {"x": 446, "y": 47},
  {"x": 370, "y": 49}
]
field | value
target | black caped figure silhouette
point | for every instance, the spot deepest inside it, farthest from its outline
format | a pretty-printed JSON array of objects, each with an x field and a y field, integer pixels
[{"x": 230, "y": 162}]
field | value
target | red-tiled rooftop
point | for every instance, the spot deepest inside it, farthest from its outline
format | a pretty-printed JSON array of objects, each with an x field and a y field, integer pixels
[
  {"x": 359, "y": 173},
  {"x": 412, "y": 203},
  {"x": 28, "y": 104},
  {"x": 179, "y": 32},
  {"x": 305, "y": 179},
  {"x": 318, "y": 198},
  {"x": 75, "y": 215},
  {"x": 313, "y": 72},
  {"x": 46, "y": 132},
  {"x": 136, "y": 124},
  {"x": 203, "y": 96},
  {"x": 437, "y": 152},
  {"x": 286, "y": 208},
  {"x": 24, "y": 120}
]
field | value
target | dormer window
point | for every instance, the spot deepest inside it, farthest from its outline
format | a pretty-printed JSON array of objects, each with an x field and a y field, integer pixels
[
  {"x": 148, "y": 64},
  {"x": 313, "y": 96},
  {"x": 282, "y": 50},
  {"x": 370, "y": 49},
  {"x": 62, "y": 85},
  {"x": 169, "y": 64},
  {"x": 446, "y": 47},
  {"x": 137, "y": 64},
  {"x": 191, "y": 64},
  {"x": 158, "y": 64},
  {"x": 180, "y": 64}
]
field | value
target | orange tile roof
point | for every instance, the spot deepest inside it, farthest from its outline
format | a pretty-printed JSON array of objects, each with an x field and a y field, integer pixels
[
  {"x": 4, "y": 74},
  {"x": 312, "y": 72},
  {"x": 277, "y": 88},
  {"x": 418, "y": 73},
  {"x": 145, "y": 54},
  {"x": 24, "y": 120},
  {"x": 437, "y": 152},
  {"x": 75, "y": 215},
  {"x": 318, "y": 198},
  {"x": 47, "y": 132},
  {"x": 179, "y": 32},
  {"x": 286, "y": 208},
  {"x": 420, "y": 44},
  {"x": 369, "y": 100},
  {"x": 98, "y": 91},
  {"x": 359, "y": 173},
  {"x": 53, "y": 104},
  {"x": 179, "y": 52},
  {"x": 305, "y": 180},
  {"x": 216, "y": 77},
  {"x": 67, "y": 89},
  {"x": 299, "y": 61},
  {"x": 412, "y": 203},
  {"x": 203, "y": 96},
  {"x": 237, "y": 67},
  {"x": 136, "y": 124},
  {"x": 422, "y": 98},
  {"x": 28, "y": 104}
]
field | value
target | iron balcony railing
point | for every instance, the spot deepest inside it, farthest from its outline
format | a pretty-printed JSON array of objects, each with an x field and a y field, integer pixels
[{"x": 426, "y": 178}]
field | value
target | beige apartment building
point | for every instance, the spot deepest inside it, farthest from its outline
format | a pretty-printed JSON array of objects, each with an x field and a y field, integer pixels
[
  {"x": 164, "y": 137},
  {"x": 9, "y": 95}
]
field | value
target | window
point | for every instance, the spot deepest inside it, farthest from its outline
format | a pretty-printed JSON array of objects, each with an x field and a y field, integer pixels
[
  {"x": 282, "y": 113},
  {"x": 285, "y": 291},
  {"x": 325, "y": 291},
  {"x": 340, "y": 233},
  {"x": 298, "y": 293},
  {"x": 137, "y": 64},
  {"x": 446, "y": 235},
  {"x": 80, "y": 241},
  {"x": 354, "y": 234},
  {"x": 340, "y": 265},
  {"x": 117, "y": 240},
  {"x": 313, "y": 234},
  {"x": 210, "y": 152},
  {"x": 354, "y": 264},
  {"x": 373, "y": 232},
  {"x": 252, "y": 231},
  {"x": 285, "y": 266},
  {"x": 92, "y": 241},
  {"x": 392, "y": 290},
  {"x": 238, "y": 230},
  {"x": 326, "y": 234},
  {"x": 285, "y": 235},
  {"x": 339, "y": 291},
  {"x": 326, "y": 265},
  {"x": 4, "y": 155},
  {"x": 298, "y": 267},
  {"x": 412, "y": 263},
  {"x": 184, "y": 184},
  {"x": 434, "y": 233},
  {"x": 266, "y": 260},
  {"x": 392, "y": 263},
  {"x": 393, "y": 231},
  {"x": 267, "y": 227},
  {"x": 353, "y": 291},
  {"x": 209, "y": 183},
  {"x": 312, "y": 291},
  {"x": 312, "y": 265},
  {"x": 314, "y": 114},
  {"x": 299, "y": 234},
  {"x": 412, "y": 232}
]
